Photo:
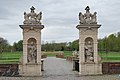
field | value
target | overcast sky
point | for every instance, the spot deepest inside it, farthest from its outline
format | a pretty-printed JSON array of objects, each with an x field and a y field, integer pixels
[{"x": 60, "y": 17}]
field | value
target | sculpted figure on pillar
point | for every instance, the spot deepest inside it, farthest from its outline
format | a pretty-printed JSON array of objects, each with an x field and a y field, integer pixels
[
  {"x": 87, "y": 17},
  {"x": 89, "y": 52},
  {"x": 32, "y": 53},
  {"x": 81, "y": 18},
  {"x": 94, "y": 18},
  {"x": 32, "y": 17},
  {"x": 26, "y": 16}
]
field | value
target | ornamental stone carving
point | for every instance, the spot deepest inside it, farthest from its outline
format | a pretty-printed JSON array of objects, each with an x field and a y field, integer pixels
[
  {"x": 32, "y": 17},
  {"x": 87, "y": 17},
  {"x": 32, "y": 51},
  {"x": 89, "y": 60},
  {"x": 89, "y": 50}
]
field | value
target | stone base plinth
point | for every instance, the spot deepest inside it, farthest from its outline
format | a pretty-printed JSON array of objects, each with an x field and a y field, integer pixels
[
  {"x": 90, "y": 68},
  {"x": 30, "y": 69}
]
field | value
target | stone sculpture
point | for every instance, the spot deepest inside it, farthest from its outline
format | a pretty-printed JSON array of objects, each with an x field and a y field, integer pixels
[
  {"x": 32, "y": 17},
  {"x": 81, "y": 18},
  {"x": 89, "y": 61},
  {"x": 32, "y": 53},
  {"x": 93, "y": 18},
  {"x": 89, "y": 52},
  {"x": 88, "y": 18},
  {"x": 31, "y": 63}
]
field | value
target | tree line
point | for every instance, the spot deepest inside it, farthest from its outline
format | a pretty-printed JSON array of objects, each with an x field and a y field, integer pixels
[
  {"x": 4, "y": 45},
  {"x": 64, "y": 46},
  {"x": 108, "y": 43},
  {"x": 48, "y": 46}
]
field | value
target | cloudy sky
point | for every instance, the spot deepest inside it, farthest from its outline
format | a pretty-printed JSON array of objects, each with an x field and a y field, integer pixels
[{"x": 60, "y": 17}]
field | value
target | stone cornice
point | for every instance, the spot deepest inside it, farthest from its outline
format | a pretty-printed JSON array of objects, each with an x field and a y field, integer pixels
[
  {"x": 31, "y": 26},
  {"x": 88, "y": 26}
]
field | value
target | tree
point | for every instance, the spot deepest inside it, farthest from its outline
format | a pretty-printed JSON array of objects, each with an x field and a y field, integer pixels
[
  {"x": 75, "y": 45},
  {"x": 54, "y": 46},
  {"x": 18, "y": 46},
  {"x": 4, "y": 45},
  {"x": 118, "y": 40},
  {"x": 110, "y": 43}
]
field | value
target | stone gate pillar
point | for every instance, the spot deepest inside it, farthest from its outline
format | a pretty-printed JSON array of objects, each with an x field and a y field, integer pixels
[
  {"x": 30, "y": 63},
  {"x": 89, "y": 61}
]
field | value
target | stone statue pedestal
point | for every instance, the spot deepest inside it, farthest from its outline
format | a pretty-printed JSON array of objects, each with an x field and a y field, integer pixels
[
  {"x": 89, "y": 61},
  {"x": 90, "y": 68},
  {"x": 30, "y": 69},
  {"x": 30, "y": 63}
]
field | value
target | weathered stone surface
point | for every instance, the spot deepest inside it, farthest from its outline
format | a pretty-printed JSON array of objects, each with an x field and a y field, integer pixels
[
  {"x": 88, "y": 18},
  {"x": 89, "y": 62},
  {"x": 30, "y": 65},
  {"x": 32, "y": 17}
]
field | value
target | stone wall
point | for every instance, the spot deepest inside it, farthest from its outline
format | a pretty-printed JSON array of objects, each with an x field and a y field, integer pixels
[
  {"x": 9, "y": 70},
  {"x": 111, "y": 68}
]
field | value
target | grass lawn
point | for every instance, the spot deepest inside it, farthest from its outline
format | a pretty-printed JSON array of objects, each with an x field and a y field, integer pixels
[
  {"x": 53, "y": 54},
  {"x": 10, "y": 57},
  {"x": 110, "y": 56},
  {"x": 67, "y": 53}
]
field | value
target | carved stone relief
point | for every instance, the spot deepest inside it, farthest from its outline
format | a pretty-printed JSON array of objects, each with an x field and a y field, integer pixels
[
  {"x": 87, "y": 17},
  {"x": 89, "y": 50},
  {"x": 32, "y": 17},
  {"x": 32, "y": 51}
]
